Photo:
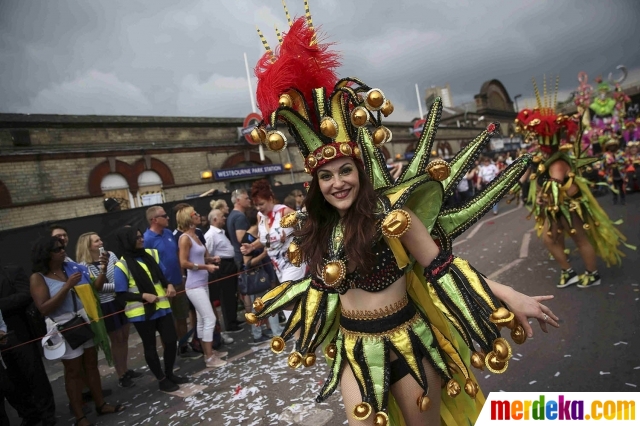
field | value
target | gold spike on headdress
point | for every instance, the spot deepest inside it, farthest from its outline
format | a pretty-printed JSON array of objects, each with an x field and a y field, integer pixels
[
  {"x": 286, "y": 12},
  {"x": 537, "y": 92},
  {"x": 555, "y": 94},
  {"x": 307, "y": 14},
  {"x": 264, "y": 41},
  {"x": 278, "y": 35},
  {"x": 544, "y": 90}
]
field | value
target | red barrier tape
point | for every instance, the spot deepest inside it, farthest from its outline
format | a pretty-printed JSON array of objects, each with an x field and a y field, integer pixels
[{"x": 122, "y": 311}]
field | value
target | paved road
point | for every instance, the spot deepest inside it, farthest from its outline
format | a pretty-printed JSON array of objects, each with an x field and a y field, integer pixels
[{"x": 595, "y": 350}]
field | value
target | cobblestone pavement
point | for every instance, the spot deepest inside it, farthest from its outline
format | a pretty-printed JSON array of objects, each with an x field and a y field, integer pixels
[{"x": 595, "y": 349}]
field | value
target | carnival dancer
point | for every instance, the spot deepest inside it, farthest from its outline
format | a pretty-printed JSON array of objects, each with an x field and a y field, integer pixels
[
  {"x": 394, "y": 310},
  {"x": 603, "y": 112},
  {"x": 631, "y": 136},
  {"x": 614, "y": 167},
  {"x": 562, "y": 202},
  {"x": 633, "y": 166}
]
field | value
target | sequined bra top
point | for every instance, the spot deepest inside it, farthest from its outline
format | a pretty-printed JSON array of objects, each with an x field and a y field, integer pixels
[{"x": 385, "y": 273}]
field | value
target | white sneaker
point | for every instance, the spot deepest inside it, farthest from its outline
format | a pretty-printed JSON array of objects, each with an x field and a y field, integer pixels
[
  {"x": 220, "y": 354},
  {"x": 214, "y": 362},
  {"x": 226, "y": 339}
]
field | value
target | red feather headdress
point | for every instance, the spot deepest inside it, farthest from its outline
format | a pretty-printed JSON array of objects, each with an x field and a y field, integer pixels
[{"x": 300, "y": 62}]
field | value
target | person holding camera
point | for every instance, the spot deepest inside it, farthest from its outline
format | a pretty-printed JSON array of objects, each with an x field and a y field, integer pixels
[{"x": 90, "y": 252}]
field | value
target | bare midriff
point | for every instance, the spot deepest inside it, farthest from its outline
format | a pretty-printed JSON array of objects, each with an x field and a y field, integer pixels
[{"x": 361, "y": 300}]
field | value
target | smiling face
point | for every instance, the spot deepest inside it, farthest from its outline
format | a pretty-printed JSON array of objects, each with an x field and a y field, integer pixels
[
  {"x": 339, "y": 183},
  {"x": 96, "y": 243}
]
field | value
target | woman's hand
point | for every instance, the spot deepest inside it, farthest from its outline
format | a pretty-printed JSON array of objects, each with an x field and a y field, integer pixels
[
  {"x": 525, "y": 307},
  {"x": 104, "y": 260},
  {"x": 151, "y": 298},
  {"x": 171, "y": 290},
  {"x": 73, "y": 280},
  {"x": 211, "y": 268},
  {"x": 246, "y": 248}
]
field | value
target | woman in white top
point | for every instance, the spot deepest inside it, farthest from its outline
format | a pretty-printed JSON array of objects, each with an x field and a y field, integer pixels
[
  {"x": 192, "y": 258},
  {"x": 272, "y": 236}
]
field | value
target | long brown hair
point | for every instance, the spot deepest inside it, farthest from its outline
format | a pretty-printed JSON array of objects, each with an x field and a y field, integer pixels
[{"x": 359, "y": 225}]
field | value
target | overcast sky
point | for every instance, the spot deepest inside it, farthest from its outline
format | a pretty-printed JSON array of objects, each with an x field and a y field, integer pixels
[{"x": 185, "y": 57}]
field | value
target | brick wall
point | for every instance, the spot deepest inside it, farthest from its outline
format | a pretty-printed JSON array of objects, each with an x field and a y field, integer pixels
[
  {"x": 15, "y": 217},
  {"x": 87, "y": 137},
  {"x": 78, "y": 147}
]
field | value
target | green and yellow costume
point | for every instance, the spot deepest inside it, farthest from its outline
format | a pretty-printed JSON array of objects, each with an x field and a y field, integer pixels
[
  {"x": 558, "y": 138},
  {"x": 442, "y": 316}
]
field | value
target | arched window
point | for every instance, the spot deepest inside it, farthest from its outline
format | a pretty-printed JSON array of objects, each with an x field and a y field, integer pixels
[
  {"x": 114, "y": 185},
  {"x": 150, "y": 188}
]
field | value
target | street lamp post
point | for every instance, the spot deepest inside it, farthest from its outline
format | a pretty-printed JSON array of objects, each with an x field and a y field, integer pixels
[{"x": 515, "y": 100}]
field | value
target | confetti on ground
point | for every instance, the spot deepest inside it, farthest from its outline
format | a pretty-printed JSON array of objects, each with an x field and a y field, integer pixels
[
  {"x": 631, "y": 384},
  {"x": 613, "y": 294},
  {"x": 602, "y": 373},
  {"x": 620, "y": 343},
  {"x": 636, "y": 368},
  {"x": 487, "y": 376},
  {"x": 532, "y": 382},
  {"x": 557, "y": 374},
  {"x": 567, "y": 356}
]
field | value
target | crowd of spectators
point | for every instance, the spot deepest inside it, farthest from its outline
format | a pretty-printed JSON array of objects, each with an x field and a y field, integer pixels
[{"x": 179, "y": 284}]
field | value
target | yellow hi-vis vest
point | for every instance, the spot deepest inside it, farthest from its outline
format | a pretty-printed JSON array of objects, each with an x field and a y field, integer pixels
[{"x": 136, "y": 309}]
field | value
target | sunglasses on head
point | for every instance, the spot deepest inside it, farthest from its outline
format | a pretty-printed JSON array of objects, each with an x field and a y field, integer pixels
[
  {"x": 166, "y": 216},
  {"x": 57, "y": 249}
]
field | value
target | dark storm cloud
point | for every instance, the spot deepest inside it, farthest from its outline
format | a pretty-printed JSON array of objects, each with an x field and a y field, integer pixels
[{"x": 186, "y": 57}]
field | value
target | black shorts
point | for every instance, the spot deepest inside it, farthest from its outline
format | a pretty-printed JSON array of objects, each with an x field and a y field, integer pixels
[{"x": 113, "y": 321}]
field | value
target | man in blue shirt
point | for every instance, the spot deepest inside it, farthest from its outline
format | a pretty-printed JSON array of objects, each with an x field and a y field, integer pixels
[{"x": 159, "y": 237}]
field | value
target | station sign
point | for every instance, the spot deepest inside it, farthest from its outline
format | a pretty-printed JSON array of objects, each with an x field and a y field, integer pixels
[{"x": 244, "y": 172}]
